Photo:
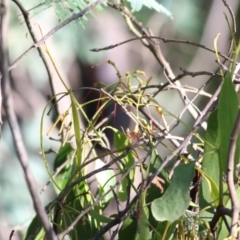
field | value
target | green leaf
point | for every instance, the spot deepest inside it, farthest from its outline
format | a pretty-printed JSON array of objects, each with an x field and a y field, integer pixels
[
  {"x": 120, "y": 141},
  {"x": 227, "y": 113},
  {"x": 176, "y": 199},
  {"x": 128, "y": 229},
  {"x": 77, "y": 129},
  {"x": 106, "y": 179},
  {"x": 64, "y": 153},
  {"x": 75, "y": 202},
  {"x": 136, "y": 4},
  {"x": 143, "y": 232},
  {"x": 166, "y": 230},
  {"x": 210, "y": 166},
  {"x": 35, "y": 229},
  {"x": 151, "y": 4},
  {"x": 154, "y": 164},
  {"x": 122, "y": 193},
  {"x": 99, "y": 217}
]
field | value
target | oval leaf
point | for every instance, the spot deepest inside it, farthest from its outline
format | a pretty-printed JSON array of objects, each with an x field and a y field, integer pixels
[{"x": 176, "y": 199}]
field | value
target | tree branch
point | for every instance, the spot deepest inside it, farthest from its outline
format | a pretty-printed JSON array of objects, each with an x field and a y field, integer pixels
[
  {"x": 12, "y": 120},
  {"x": 230, "y": 174}
]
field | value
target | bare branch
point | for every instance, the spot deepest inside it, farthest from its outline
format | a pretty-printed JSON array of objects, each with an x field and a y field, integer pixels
[
  {"x": 230, "y": 174},
  {"x": 12, "y": 120},
  {"x": 165, "y": 40},
  {"x": 54, "y": 30}
]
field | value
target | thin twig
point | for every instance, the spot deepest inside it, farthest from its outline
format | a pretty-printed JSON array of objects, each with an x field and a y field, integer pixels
[
  {"x": 185, "y": 143},
  {"x": 165, "y": 40},
  {"x": 230, "y": 174},
  {"x": 54, "y": 30},
  {"x": 16, "y": 133},
  {"x": 11, "y": 234}
]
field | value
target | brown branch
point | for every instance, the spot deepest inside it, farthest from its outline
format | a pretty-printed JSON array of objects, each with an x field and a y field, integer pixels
[
  {"x": 15, "y": 130},
  {"x": 54, "y": 30},
  {"x": 220, "y": 212},
  {"x": 230, "y": 174},
  {"x": 11, "y": 234},
  {"x": 165, "y": 40}
]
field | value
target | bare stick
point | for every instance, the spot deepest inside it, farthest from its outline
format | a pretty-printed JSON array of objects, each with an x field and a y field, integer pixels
[
  {"x": 12, "y": 120},
  {"x": 54, "y": 30},
  {"x": 230, "y": 174}
]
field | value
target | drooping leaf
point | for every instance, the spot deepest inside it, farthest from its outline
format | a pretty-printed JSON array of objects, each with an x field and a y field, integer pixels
[{"x": 176, "y": 199}]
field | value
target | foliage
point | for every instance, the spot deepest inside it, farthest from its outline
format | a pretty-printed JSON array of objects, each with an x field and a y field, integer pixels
[{"x": 171, "y": 201}]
